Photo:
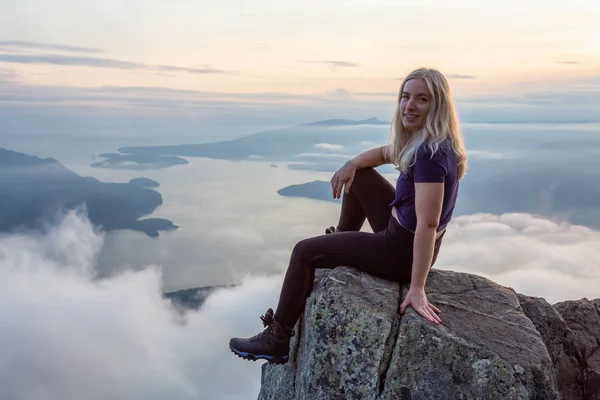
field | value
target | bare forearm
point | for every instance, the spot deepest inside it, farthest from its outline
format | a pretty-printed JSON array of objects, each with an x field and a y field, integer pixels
[
  {"x": 422, "y": 255},
  {"x": 370, "y": 158}
]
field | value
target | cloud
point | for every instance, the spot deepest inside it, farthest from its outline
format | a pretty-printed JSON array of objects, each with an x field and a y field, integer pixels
[
  {"x": 145, "y": 96},
  {"x": 486, "y": 154},
  {"x": 340, "y": 92},
  {"x": 255, "y": 111},
  {"x": 576, "y": 104},
  {"x": 377, "y": 94},
  {"x": 69, "y": 60},
  {"x": 541, "y": 98},
  {"x": 9, "y": 76},
  {"x": 345, "y": 93},
  {"x": 534, "y": 255},
  {"x": 19, "y": 44},
  {"x": 66, "y": 335},
  {"x": 449, "y": 76},
  {"x": 239, "y": 236},
  {"x": 98, "y": 62},
  {"x": 329, "y": 146},
  {"x": 341, "y": 64},
  {"x": 336, "y": 64},
  {"x": 205, "y": 70},
  {"x": 567, "y": 62},
  {"x": 460, "y": 76},
  {"x": 322, "y": 155}
]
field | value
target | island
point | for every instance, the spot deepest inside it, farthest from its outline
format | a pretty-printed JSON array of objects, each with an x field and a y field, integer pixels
[
  {"x": 193, "y": 298},
  {"x": 144, "y": 182},
  {"x": 316, "y": 190},
  {"x": 313, "y": 146},
  {"x": 562, "y": 194},
  {"x": 137, "y": 161},
  {"x": 34, "y": 190}
]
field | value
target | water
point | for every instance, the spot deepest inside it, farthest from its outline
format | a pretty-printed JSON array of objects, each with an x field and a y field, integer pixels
[{"x": 231, "y": 220}]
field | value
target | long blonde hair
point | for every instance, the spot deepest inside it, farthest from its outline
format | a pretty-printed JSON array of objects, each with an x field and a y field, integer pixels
[{"x": 441, "y": 124}]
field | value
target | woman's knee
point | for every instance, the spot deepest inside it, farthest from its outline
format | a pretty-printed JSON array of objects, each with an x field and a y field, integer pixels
[
  {"x": 362, "y": 176},
  {"x": 307, "y": 250},
  {"x": 364, "y": 173},
  {"x": 302, "y": 249}
]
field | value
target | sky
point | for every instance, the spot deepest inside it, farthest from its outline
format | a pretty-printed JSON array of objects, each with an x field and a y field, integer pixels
[
  {"x": 300, "y": 47},
  {"x": 218, "y": 61}
]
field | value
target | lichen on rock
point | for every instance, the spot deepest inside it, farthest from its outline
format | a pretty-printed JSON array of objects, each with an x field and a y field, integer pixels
[{"x": 351, "y": 343}]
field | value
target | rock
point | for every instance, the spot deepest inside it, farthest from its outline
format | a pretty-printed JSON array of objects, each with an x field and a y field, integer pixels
[
  {"x": 486, "y": 347},
  {"x": 352, "y": 344},
  {"x": 343, "y": 342},
  {"x": 583, "y": 319},
  {"x": 560, "y": 342}
]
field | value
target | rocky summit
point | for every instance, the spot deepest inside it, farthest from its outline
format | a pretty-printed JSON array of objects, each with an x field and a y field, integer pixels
[{"x": 494, "y": 343}]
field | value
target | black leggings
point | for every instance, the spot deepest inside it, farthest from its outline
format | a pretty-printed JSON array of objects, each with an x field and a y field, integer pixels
[{"x": 386, "y": 253}]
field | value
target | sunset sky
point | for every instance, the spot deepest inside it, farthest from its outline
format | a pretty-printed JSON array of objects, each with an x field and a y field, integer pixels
[
  {"x": 304, "y": 47},
  {"x": 82, "y": 311}
]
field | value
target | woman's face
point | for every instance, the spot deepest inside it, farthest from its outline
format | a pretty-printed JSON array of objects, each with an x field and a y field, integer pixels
[{"x": 415, "y": 102}]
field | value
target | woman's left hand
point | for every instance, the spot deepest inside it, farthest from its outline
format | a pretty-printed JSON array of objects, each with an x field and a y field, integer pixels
[{"x": 418, "y": 300}]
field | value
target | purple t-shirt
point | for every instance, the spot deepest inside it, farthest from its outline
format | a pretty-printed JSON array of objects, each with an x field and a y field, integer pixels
[{"x": 439, "y": 168}]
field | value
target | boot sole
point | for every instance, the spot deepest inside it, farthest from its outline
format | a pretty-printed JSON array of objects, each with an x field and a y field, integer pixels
[{"x": 254, "y": 357}]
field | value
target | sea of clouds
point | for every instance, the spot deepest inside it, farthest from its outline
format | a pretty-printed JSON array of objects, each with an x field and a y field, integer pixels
[{"x": 65, "y": 334}]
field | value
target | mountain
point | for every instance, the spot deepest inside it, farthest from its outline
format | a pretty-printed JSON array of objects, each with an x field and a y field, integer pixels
[
  {"x": 348, "y": 122},
  {"x": 565, "y": 194},
  {"x": 33, "y": 191},
  {"x": 311, "y": 145}
]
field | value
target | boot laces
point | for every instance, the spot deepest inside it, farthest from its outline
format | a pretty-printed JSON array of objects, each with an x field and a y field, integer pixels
[
  {"x": 267, "y": 319},
  {"x": 268, "y": 323}
]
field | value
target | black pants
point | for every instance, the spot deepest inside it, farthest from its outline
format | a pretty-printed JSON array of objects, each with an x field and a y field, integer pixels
[{"x": 386, "y": 253}]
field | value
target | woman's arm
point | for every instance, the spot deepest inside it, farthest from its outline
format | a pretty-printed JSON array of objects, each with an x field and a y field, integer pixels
[
  {"x": 428, "y": 204},
  {"x": 374, "y": 157}
]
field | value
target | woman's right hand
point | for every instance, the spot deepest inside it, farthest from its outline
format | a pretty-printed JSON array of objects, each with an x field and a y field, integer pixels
[{"x": 343, "y": 177}]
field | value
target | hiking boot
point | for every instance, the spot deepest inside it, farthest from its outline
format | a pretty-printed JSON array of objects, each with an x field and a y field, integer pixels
[{"x": 272, "y": 344}]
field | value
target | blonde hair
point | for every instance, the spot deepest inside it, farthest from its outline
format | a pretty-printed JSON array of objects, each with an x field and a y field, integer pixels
[{"x": 441, "y": 124}]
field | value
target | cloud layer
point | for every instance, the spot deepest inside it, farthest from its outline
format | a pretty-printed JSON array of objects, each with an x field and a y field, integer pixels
[
  {"x": 66, "y": 335},
  {"x": 534, "y": 255},
  {"x": 569, "y": 103}
]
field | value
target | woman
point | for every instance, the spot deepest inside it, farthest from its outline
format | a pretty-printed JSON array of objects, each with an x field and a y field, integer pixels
[{"x": 408, "y": 223}]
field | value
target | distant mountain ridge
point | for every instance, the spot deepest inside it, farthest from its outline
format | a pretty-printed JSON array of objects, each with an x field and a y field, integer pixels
[
  {"x": 299, "y": 143},
  {"x": 33, "y": 191},
  {"x": 565, "y": 194},
  {"x": 348, "y": 122},
  {"x": 9, "y": 158}
]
